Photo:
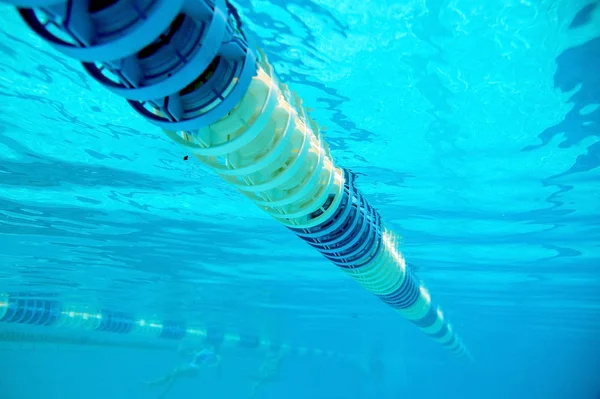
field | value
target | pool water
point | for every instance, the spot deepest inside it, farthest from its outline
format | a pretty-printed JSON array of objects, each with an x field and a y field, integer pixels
[{"x": 474, "y": 130}]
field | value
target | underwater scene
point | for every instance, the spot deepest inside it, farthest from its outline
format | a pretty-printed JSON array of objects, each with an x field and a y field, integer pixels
[{"x": 299, "y": 199}]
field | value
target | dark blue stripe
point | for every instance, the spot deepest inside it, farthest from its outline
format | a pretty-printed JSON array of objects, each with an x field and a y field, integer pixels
[
  {"x": 16, "y": 310},
  {"x": 37, "y": 309},
  {"x": 405, "y": 296},
  {"x": 351, "y": 237},
  {"x": 53, "y": 314},
  {"x": 428, "y": 320},
  {"x": 115, "y": 322},
  {"x": 21, "y": 311},
  {"x": 441, "y": 333},
  {"x": 354, "y": 225},
  {"x": 173, "y": 330},
  {"x": 31, "y": 311}
]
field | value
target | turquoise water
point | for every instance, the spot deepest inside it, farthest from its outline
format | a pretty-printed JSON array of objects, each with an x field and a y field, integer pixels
[{"x": 474, "y": 129}]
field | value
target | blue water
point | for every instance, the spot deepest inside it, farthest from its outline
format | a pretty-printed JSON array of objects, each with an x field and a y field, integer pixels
[{"x": 474, "y": 127}]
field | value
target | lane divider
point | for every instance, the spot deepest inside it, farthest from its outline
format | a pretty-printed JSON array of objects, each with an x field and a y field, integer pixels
[
  {"x": 186, "y": 66},
  {"x": 25, "y": 309}
]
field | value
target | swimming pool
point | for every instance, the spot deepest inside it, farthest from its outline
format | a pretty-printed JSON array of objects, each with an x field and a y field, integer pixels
[{"x": 456, "y": 118}]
